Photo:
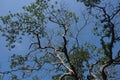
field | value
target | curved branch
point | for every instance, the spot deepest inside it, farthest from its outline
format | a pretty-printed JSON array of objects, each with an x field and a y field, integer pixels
[
  {"x": 103, "y": 67},
  {"x": 65, "y": 74}
]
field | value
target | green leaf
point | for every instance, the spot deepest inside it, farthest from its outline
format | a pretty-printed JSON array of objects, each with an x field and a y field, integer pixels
[{"x": 12, "y": 46}]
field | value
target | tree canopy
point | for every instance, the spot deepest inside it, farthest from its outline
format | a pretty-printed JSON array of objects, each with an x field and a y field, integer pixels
[{"x": 57, "y": 47}]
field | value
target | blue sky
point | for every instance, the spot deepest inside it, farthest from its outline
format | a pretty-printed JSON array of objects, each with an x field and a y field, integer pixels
[
  {"x": 16, "y": 6},
  {"x": 12, "y": 5}
]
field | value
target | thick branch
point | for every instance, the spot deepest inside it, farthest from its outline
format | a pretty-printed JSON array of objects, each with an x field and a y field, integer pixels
[
  {"x": 102, "y": 69},
  {"x": 92, "y": 75},
  {"x": 69, "y": 73},
  {"x": 66, "y": 52},
  {"x": 108, "y": 19},
  {"x": 62, "y": 62}
]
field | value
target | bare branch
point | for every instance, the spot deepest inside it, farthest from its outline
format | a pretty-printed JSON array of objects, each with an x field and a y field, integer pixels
[
  {"x": 85, "y": 24},
  {"x": 102, "y": 69},
  {"x": 115, "y": 13},
  {"x": 91, "y": 68},
  {"x": 65, "y": 74},
  {"x": 70, "y": 71},
  {"x": 62, "y": 62}
]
